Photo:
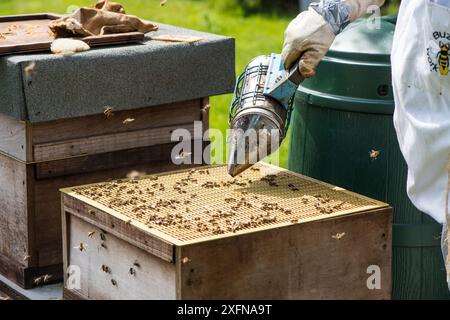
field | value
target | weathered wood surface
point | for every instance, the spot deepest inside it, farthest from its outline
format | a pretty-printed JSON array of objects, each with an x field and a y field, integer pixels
[
  {"x": 36, "y": 160},
  {"x": 31, "y": 34},
  {"x": 75, "y": 137},
  {"x": 131, "y": 272},
  {"x": 302, "y": 261},
  {"x": 321, "y": 257},
  {"x": 30, "y": 228},
  {"x": 16, "y": 234},
  {"x": 13, "y": 137}
]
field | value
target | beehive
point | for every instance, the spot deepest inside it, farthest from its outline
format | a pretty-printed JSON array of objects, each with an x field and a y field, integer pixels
[
  {"x": 198, "y": 233},
  {"x": 59, "y": 154},
  {"x": 54, "y": 133}
]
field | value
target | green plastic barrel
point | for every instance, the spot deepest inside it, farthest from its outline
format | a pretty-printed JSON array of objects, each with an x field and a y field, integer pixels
[{"x": 342, "y": 114}]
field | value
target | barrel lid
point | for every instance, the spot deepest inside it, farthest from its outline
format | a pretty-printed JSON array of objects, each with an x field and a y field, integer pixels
[
  {"x": 355, "y": 75},
  {"x": 365, "y": 40}
]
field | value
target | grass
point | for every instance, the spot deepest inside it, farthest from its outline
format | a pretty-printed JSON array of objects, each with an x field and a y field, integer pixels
[{"x": 255, "y": 35}]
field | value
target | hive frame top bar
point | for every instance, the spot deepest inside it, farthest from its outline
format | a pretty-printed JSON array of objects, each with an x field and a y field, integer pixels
[{"x": 369, "y": 204}]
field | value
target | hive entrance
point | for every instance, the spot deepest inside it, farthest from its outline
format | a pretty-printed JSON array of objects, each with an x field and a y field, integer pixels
[{"x": 199, "y": 203}]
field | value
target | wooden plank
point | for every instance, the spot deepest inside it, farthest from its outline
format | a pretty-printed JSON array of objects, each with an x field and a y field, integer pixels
[
  {"x": 31, "y": 34},
  {"x": 17, "y": 138},
  {"x": 12, "y": 270},
  {"x": 105, "y": 161},
  {"x": 119, "y": 227},
  {"x": 97, "y": 125},
  {"x": 303, "y": 261},
  {"x": 105, "y": 143},
  {"x": 135, "y": 275},
  {"x": 48, "y": 210},
  {"x": 65, "y": 232},
  {"x": 14, "y": 211},
  {"x": 25, "y": 276},
  {"x": 13, "y": 137},
  {"x": 72, "y": 295}
]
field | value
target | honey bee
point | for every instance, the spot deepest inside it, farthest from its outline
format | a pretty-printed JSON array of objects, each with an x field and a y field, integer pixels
[
  {"x": 185, "y": 260},
  {"x": 374, "y": 154},
  {"x": 38, "y": 281},
  {"x": 81, "y": 247},
  {"x": 108, "y": 111},
  {"x": 26, "y": 258},
  {"x": 114, "y": 282},
  {"x": 338, "y": 236},
  {"x": 162, "y": 2},
  {"x": 106, "y": 269},
  {"x": 28, "y": 70},
  {"x": 47, "y": 278},
  {"x": 102, "y": 236},
  {"x": 136, "y": 264},
  {"x": 183, "y": 155},
  {"x": 132, "y": 271},
  {"x": 443, "y": 59},
  {"x": 128, "y": 121},
  {"x": 91, "y": 234}
]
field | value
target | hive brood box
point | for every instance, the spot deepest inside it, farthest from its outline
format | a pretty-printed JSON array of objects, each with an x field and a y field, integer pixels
[
  {"x": 200, "y": 234},
  {"x": 58, "y": 154},
  {"x": 54, "y": 134}
]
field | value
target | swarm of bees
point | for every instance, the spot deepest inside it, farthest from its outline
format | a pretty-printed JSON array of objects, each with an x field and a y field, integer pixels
[{"x": 180, "y": 206}]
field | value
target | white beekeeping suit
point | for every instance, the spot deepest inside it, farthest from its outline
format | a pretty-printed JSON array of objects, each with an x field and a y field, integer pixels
[
  {"x": 421, "y": 82},
  {"x": 421, "y": 79}
]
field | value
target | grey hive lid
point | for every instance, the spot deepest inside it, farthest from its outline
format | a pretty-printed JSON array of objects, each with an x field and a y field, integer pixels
[{"x": 124, "y": 77}]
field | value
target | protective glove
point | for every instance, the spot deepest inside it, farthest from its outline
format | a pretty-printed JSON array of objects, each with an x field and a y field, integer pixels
[
  {"x": 310, "y": 35},
  {"x": 99, "y": 21}
]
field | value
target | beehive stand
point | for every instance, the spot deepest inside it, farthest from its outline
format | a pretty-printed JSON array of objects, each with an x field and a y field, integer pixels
[{"x": 191, "y": 219}]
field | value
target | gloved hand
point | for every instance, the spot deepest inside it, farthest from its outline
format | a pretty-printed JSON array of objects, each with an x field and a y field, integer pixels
[
  {"x": 310, "y": 35},
  {"x": 99, "y": 21}
]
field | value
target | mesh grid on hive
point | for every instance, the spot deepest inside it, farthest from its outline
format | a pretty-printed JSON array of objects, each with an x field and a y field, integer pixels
[{"x": 199, "y": 203}]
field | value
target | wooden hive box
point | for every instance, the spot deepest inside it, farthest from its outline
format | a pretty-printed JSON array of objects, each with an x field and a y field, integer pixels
[
  {"x": 38, "y": 159},
  {"x": 199, "y": 234}
]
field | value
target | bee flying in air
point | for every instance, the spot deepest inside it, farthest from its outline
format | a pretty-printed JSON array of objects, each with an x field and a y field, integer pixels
[
  {"x": 374, "y": 154},
  {"x": 443, "y": 59}
]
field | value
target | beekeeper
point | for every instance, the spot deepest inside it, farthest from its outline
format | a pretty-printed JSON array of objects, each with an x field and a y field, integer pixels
[{"x": 421, "y": 82}]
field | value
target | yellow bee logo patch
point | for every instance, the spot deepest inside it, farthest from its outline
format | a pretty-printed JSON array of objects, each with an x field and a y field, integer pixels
[{"x": 443, "y": 59}]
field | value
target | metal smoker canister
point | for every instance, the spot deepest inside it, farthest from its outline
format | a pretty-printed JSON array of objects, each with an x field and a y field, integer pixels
[{"x": 251, "y": 109}]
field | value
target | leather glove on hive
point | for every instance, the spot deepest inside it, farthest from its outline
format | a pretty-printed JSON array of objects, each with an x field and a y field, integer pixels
[{"x": 106, "y": 18}]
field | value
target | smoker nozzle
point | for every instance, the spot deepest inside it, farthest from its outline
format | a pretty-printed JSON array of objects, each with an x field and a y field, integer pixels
[{"x": 254, "y": 136}]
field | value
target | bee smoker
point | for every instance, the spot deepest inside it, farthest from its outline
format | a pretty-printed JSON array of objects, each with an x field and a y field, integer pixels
[{"x": 262, "y": 104}]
